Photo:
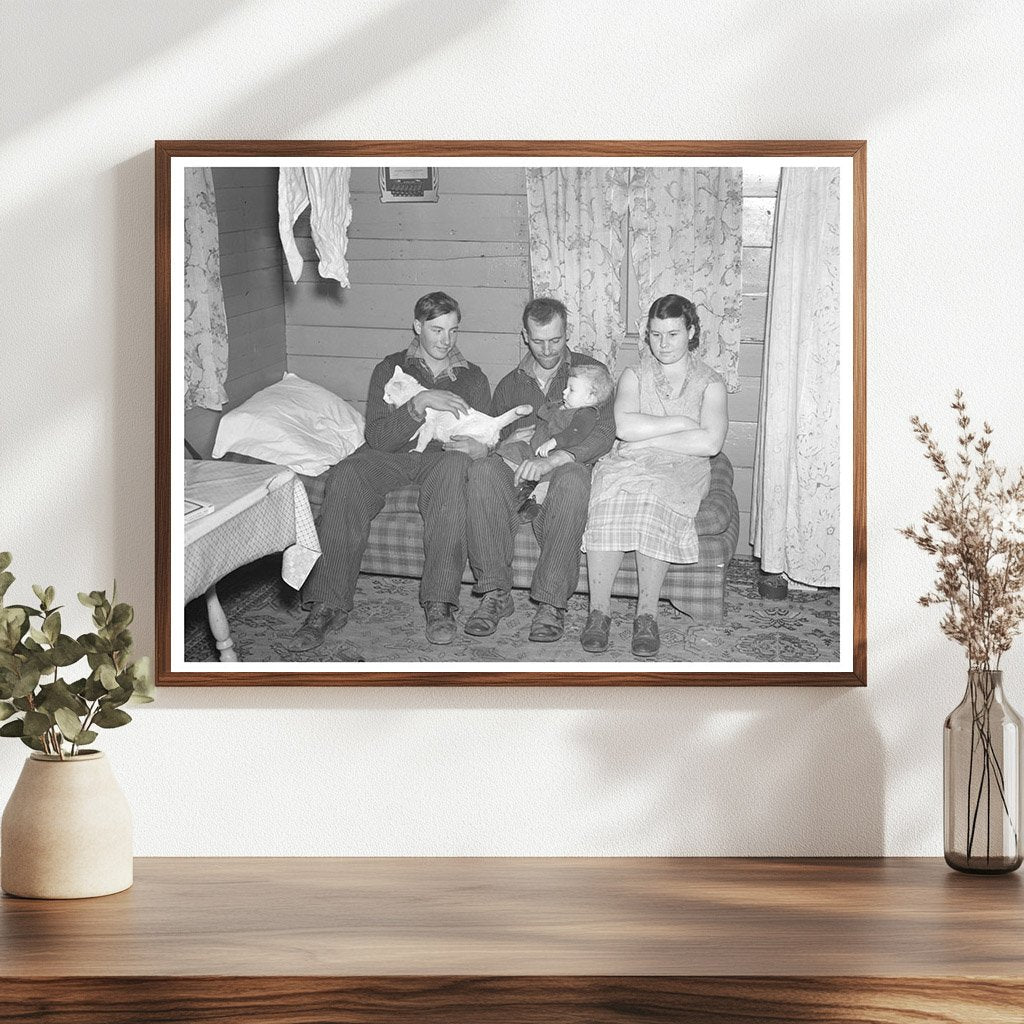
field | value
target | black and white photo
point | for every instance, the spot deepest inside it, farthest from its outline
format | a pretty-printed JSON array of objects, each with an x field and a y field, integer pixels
[{"x": 511, "y": 417}]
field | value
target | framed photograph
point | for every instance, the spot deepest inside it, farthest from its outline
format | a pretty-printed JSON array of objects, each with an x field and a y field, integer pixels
[{"x": 528, "y": 413}]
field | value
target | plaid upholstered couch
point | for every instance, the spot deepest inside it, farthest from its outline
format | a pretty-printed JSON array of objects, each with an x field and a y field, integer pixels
[{"x": 395, "y": 547}]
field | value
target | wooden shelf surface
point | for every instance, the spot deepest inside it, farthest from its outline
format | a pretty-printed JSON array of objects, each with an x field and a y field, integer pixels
[{"x": 375, "y": 939}]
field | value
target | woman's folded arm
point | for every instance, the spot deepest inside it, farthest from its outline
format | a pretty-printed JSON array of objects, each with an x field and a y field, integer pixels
[{"x": 680, "y": 433}]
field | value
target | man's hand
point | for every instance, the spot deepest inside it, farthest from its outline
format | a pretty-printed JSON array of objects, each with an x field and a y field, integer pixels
[
  {"x": 522, "y": 434},
  {"x": 535, "y": 469},
  {"x": 468, "y": 445},
  {"x": 442, "y": 401}
]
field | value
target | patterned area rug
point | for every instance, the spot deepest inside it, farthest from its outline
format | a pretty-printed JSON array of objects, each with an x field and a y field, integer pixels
[{"x": 387, "y": 625}]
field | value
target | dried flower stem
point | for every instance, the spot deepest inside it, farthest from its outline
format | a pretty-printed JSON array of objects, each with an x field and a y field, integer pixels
[{"x": 975, "y": 529}]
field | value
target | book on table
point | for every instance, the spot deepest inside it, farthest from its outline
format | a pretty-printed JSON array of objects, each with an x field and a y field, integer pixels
[{"x": 196, "y": 509}]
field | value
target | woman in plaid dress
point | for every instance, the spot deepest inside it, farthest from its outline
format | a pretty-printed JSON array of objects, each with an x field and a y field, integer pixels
[{"x": 671, "y": 416}]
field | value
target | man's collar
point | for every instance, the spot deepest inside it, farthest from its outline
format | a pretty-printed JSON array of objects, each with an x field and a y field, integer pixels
[
  {"x": 455, "y": 361},
  {"x": 528, "y": 363}
]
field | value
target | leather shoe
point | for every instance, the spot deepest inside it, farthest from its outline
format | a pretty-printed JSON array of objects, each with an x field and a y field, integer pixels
[
  {"x": 528, "y": 511},
  {"x": 440, "y": 622},
  {"x": 524, "y": 492},
  {"x": 594, "y": 637},
  {"x": 494, "y": 606},
  {"x": 646, "y": 641},
  {"x": 320, "y": 621},
  {"x": 548, "y": 624}
]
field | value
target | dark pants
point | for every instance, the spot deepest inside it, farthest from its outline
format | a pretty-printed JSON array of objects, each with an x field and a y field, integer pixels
[
  {"x": 356, "y": 490},
  {"x": 493, "y": 521}
]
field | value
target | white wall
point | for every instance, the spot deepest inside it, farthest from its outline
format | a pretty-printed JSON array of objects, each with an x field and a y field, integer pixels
[{"x": 936, "y": 89}]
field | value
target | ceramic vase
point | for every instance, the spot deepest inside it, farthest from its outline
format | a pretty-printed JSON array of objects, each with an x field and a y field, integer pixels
[
  {"x": 66, "y": 830},
  {"x": 981, "y": 776}
]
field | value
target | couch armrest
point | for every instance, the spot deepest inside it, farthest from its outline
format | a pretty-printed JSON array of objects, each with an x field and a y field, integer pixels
[{"x": 719, "y": 507}]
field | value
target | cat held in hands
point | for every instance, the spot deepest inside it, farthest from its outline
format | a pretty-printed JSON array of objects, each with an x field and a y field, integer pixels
[{"x": 445, "y": 425}]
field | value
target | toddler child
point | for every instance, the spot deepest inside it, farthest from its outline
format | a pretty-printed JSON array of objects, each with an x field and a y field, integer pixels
[{"x": 562, "y": 424}]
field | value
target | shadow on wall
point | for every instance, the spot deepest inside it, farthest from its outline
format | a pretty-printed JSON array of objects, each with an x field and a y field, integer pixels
[
  {"x": 804, "y": 71},
  {"x": 115, "y": 39},
  {"x": 677, "y": 778},
  {"x": 403, "y": 34},
  {"x": 925, "y": 682},
  {"x": 120, "y": 46},
  {"x": 131, "y": 404},
  {"x": 694, "y": 771},
  {"x": 346, "y": 67}
]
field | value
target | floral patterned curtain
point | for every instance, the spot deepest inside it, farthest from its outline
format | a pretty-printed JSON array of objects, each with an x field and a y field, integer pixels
[
  {"x": 795, "y": 518},
  {"x": 577, "y": 245},
  {"x": 686, "y": 237},
  {"x": 206, "y": 326}
]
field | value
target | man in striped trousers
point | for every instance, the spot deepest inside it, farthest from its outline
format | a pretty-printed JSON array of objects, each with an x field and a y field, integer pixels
[
  {"x": 492, "y": 488},
  {"x": 358, "y": 485}
]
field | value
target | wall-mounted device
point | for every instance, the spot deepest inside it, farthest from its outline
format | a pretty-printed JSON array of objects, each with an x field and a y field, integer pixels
[{"x": 408, "y": 184}]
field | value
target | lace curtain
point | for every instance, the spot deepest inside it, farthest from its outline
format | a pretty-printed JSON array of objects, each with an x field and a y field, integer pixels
[
  {"x": 686, "y": 237},
  {"x": 795, "y": 518},
  {"x": 577, "y": 224},
  {"x": 206, "y": 326}
]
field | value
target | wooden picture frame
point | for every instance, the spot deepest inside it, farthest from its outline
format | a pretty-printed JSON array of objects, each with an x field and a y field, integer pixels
[{"x": 848, "y": 158}]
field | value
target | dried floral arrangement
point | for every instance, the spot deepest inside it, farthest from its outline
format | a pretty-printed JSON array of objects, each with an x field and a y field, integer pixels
[{"x": 976, "y": 531}]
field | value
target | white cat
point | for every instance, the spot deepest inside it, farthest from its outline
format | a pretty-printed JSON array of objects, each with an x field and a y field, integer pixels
[{"x": 445, "y": 425}]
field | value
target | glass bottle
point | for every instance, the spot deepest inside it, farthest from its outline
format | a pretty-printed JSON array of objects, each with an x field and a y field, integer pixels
[{"x": 981, "y": 779}]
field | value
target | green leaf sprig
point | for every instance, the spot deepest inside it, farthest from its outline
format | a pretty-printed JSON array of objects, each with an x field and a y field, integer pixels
[{"x": 37, "y": 705}]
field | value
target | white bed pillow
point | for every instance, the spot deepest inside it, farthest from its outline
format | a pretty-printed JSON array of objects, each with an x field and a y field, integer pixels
[{"x": 293, "y": 423}]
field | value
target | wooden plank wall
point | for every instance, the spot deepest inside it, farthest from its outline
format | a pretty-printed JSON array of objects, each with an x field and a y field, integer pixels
[
  {"x": 472, "y": 243},
  {"x": 250, "y": 270}
]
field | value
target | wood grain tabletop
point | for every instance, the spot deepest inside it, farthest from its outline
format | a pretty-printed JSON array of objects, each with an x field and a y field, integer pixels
[
  {"x": 515, "y": 916},
  {"x": 575, "y": 940}
]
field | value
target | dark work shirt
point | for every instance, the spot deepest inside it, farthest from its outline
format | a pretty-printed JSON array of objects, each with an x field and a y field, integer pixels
[
  {"x": 566, "y": 427},
  {"x": 520, "y": 387},
  {"x": 389, "y": 429}
]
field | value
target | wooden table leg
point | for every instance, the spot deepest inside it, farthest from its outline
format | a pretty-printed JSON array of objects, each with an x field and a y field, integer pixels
[{"x": 219, "y": 626}]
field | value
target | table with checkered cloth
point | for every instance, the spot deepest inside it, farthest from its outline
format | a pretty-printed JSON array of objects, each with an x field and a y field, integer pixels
[
  {"x": 395, "y": 547},
  {"x": 257, "y": 510}
]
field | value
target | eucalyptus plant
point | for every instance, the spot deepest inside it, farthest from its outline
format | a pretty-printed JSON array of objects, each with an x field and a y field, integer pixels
[{"x": 45, "y": 711}]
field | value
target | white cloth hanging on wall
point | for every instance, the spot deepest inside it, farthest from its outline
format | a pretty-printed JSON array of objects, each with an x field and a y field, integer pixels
[
  {"x": 795, "y": 515},
  {"x": 325, "y": 190}
]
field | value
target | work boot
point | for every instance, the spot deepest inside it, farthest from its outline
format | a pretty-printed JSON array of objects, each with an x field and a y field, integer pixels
[
  {"x": 548, "y": 624},
  {"x": 440, "y": 622},
  {"x": 646, "y": 641},
  {"x": 594, "y": 637},
  {"x": 320, "y": 621},
  {"x": 494, "y": 606}
]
